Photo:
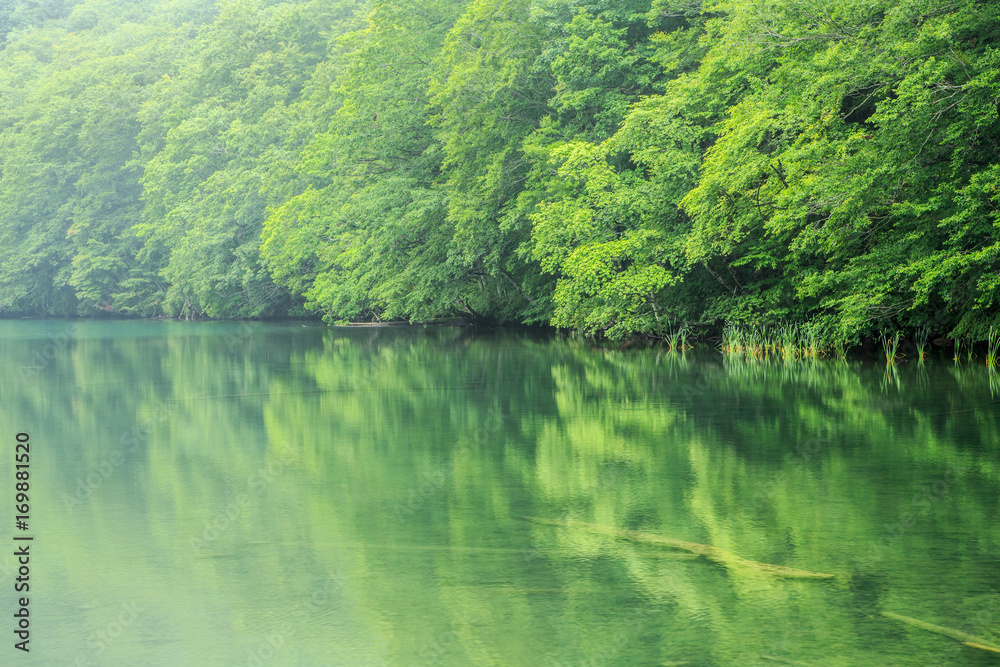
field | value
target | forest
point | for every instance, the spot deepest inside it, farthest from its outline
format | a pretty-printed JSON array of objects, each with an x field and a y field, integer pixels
[{"x": 619, "y": 169}]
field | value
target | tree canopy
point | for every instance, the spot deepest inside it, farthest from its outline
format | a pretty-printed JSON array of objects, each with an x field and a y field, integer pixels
[{"x": 619, "y": 169}]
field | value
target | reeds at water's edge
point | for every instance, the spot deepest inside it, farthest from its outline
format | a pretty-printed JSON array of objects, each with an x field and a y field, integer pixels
[
  {"x": 992, "y": 345},
  {"x": 890, "y": 347},
  {"x": 791, "y": 342},
  {"x": 787, "y": 342},
  {"x": 920, "y": 339},
  {"x": 677, "y": 340}
]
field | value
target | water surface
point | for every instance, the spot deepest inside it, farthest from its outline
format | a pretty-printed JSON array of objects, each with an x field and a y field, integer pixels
[{"x": 280, "y": 494}]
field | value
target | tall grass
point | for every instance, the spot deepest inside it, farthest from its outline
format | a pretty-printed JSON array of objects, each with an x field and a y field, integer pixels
[
  {"x": 787, "y": 336},
  {"x": 890, "y": 346},
  {"x": 811, "y": 343},
  {"x": 967, "y": 347},
  {"x": 751, "y": 343},
  {"x": 920, "y": 340},
  {"x": 783, "y": 341},
  {"x": 677, "y": 339},
  {"x": 993, "y": 347},
  {"x": 732, "y": 339}
]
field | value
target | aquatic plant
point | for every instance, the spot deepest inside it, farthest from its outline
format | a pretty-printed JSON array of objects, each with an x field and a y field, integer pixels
[
  {"x": 890, "y": 346},
  {"x": 993, "y": 346},
  {"x": 755, "y": 344},
  {"x": 839, "y": 346},
  {"x": 812, "y": 342},
  {"x": 920, "y": 340},
  {"x": 787, "y": 342},
  {"x": 788, "y": 335},
  {"x": 732, "y": 339},
  {"x": 677, "y": 339}
]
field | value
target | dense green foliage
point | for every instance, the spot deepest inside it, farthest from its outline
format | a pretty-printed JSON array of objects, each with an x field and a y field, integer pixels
[{"x": 616, "y": 168}]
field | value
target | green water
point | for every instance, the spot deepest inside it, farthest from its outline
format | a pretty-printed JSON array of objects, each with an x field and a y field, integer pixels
[{"x": 236, "y": 494}]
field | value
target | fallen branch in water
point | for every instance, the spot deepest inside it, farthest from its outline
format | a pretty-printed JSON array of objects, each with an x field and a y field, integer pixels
[
  {"x": 964, "y": 637},
  {"x": 713, "y": 554},
  {"x": 985, "y": 648}
]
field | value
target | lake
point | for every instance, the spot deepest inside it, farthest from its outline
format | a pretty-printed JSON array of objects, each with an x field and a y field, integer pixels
[{"x": 279, "y": 494}]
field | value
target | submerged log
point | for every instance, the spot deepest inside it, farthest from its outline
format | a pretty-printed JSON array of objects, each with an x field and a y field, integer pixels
[
  {"x": 964, "y": 637},
  {"x": 982, "y": 646},
  {"x": 709, "y": 552}
]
